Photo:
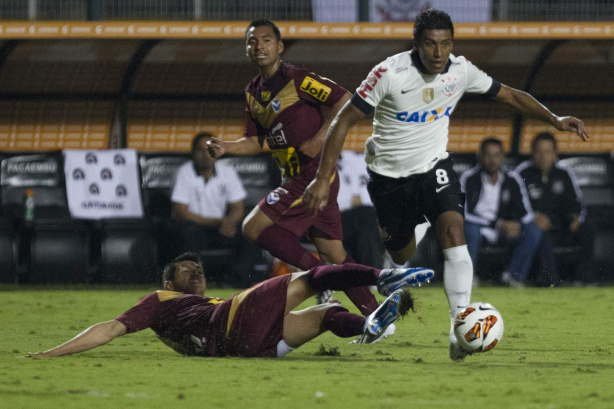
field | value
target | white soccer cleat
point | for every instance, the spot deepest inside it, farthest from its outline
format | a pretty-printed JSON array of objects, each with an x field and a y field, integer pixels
[{"x": 390, "y": 330}]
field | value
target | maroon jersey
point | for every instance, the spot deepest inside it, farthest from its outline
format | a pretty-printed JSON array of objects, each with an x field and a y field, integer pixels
[
  {"x": 187, "y": 323},
  {"x": 249, "y": 324},
  {"x": 285, "y": 110}
]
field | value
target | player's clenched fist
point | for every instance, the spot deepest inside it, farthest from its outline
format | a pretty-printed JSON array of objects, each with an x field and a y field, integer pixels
[{"x": 215, "y": 147}]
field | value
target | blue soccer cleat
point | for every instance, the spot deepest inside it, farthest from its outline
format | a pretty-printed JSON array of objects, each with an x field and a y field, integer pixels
[
  {"x": 391, "y": 279},
  {"x": 395, "y": 306}
]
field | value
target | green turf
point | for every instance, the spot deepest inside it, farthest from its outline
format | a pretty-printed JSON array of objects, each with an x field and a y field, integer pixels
[{"x": 557, "y": 352}]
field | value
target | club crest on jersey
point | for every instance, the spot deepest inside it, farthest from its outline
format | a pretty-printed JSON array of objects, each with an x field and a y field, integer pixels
[
  {"x": 276, "y": 104},
  {"x": 449, "y": 86},
  {"x": 316, "y": 89},
  {"x": 272, "y": 198},
  {"x": 255, "y": 108},
  {"x": 428, "y": 94},
  {"x": 265, "y": 96}
]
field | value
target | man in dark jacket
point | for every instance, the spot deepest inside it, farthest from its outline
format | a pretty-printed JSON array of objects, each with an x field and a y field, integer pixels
[
  {"x": 557, "y": 200},
  {"x": 498, "y": 209}
]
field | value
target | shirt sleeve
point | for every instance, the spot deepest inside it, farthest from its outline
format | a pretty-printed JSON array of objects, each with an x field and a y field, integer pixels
[
  {"x": 143, "y": 315},
  {"x": 181, "y": 188},
  {"x": 374, "y": 88},
  {"x": 317, "y": 89},
  {"x": 478, "y": 82}
]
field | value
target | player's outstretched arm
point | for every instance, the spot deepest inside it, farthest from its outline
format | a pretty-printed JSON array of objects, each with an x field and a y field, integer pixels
[
  {"x": 94, "y": 336},
  {"x": 245, "y": 146},
  {"x": 316, "y": 194},
  {"x": 529, "y": 106}
]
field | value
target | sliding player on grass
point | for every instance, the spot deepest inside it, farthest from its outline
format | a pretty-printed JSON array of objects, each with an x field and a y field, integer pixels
[{"x": 257, "y": 322}]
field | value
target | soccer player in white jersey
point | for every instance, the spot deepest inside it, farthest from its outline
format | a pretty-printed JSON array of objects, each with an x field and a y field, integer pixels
[{"x": 412, "y": 95}]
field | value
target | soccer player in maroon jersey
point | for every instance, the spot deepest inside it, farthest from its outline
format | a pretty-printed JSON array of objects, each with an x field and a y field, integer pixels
[
  {"x": 291, "y": 108},
  {"x": 257, "y": 322}
]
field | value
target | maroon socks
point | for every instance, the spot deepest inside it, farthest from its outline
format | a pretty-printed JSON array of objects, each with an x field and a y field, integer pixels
[
  {"x": 353, "y": 279},
  {"x": 285, "y": 246},
  {"x": 342, "y": 323}
]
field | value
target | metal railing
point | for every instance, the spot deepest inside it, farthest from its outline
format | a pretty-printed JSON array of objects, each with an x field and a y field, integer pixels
[{"x": 500, "y": 10}]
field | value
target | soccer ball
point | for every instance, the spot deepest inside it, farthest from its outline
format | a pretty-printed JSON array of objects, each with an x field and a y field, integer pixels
[{"x": 478, "y": 327}]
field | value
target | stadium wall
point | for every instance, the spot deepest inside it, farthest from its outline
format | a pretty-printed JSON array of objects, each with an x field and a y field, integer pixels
[{"x": 152, "y": 85}]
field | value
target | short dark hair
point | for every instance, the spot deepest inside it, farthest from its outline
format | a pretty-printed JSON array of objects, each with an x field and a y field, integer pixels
[
  {"x": 263, "y": 22},
  {"x": 491, "y": 140},
  {"x": 432, "y": 19},
  {"x": 200, "y": 136},
  {"x": 168, "y": 274},
  {"x": 543, "y": 136}
]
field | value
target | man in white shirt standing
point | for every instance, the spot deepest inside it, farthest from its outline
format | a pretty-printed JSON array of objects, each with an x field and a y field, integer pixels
[
  {"x": 208, "y": 203},
  {"x": 412, "y": 95}
]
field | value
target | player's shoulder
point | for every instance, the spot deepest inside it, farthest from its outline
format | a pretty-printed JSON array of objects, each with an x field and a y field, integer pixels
[
  {"x": 295, "y": 72},
  {"x": 165, "y": 295},
  {"x": 458, "y": 59},
  {"x": 398, "y": 63},
  {"x": 253, "y": 84},
  {"x": 291, "y": 70}
]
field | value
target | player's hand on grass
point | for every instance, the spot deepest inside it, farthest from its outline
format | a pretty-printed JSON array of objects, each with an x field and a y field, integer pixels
[
  {"x": 571, "y": 124},
  {"x": 316, "y": 195},
  {"x": 215, "y": 147},
  {"x": 35, "y": 355}
]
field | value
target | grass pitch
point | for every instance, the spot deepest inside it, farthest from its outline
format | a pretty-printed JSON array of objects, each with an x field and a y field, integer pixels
[{"x": 557, "y": 352}]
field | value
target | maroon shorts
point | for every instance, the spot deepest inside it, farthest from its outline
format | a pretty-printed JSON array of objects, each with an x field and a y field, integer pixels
[
  {"x": 256, "y": 319},
  {"x": 285, "y": 208}
]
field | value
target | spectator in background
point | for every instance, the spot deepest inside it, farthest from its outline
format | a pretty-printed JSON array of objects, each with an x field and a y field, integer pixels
[
  {"x": 207, "y": 202},
  {"x": 498, "y": 209},
  {"x": 361, "y": 237},
  {"x": 556, "y": 199}
]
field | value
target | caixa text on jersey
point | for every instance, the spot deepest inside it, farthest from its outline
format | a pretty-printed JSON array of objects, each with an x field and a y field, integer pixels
[{"x": 428, "y": 115}]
